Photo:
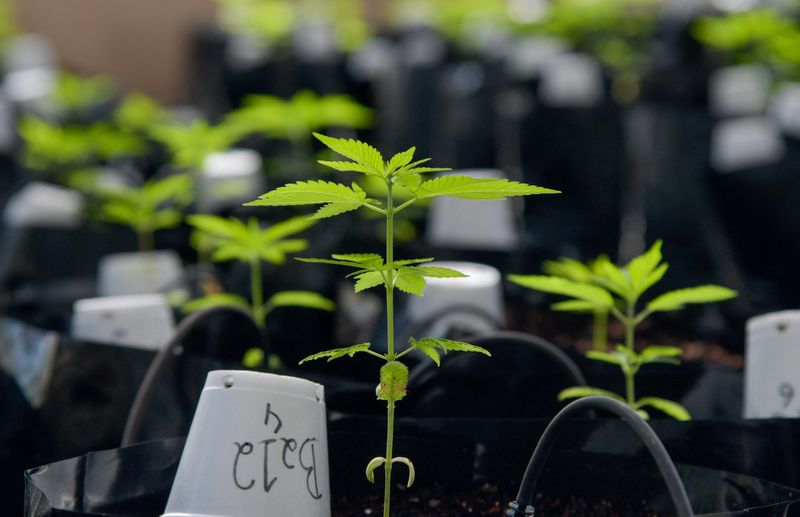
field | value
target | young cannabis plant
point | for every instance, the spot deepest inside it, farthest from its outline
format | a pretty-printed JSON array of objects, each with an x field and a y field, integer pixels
[
  {"x": 618, "y": 291},
  {"x": 373, "y": 270},
  {"x": 188, "y": 145},
  {"x": 231, "y": 239},
  {"x": 74, "y": 93},
  {"x": 576, "y": 271},
  {"x": 157, "y": 205}
]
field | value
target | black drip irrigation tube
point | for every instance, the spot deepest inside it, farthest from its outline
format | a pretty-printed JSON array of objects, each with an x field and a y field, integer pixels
[
  {"x": 172, "y": 349},
  {"x": 522, "y": 505}
]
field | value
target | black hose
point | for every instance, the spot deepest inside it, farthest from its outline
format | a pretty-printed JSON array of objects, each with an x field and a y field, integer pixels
[
  {"x": 135, "y": 419},
  {"x": 522, "y": 504}
]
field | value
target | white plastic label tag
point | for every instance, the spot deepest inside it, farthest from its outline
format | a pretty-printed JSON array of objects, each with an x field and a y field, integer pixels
[
  {"x": 747, "y": 142},
  {"x": 785, "y": 108},
  {"x": 571, "y": 81},
  {"x": 257, "y": 448},
  {"x": 772, "y": 376},
  {"x": 739, "y": 90},
  {"x": 139, "y": 321}
]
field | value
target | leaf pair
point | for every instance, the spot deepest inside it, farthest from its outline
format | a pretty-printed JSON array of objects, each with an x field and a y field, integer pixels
[
  {"x": 400, "y": 169},
  {"x": 157, "y": 205},
  {"x": 631, "y": 360},
  {"x": 232, "y": 239},
  {"x": 371, "y": 271},
  {"x": 305, "y": 299}
]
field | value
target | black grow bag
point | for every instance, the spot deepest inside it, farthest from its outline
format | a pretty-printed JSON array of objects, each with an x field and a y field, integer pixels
[{"x": 135, "y": 481}]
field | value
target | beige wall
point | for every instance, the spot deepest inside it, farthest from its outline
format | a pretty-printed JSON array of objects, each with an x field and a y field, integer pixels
[{"x": 142, "y": 43}]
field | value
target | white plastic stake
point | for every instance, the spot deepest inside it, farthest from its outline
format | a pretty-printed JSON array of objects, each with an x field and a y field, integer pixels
[
  {"x": 571, "y": 81},
  {"x": 746, "y": 142},
  {"x": 739, "y": 90},
  {"x": 139, "y": 273},
  {"x": 139, "y": 321},
  {"x": 257, "y": 447},
  {"x": 771, "y": 375},
  {"x": 481, "y": 289},
  {"x": 42, "y": 205},
  {"x": 229, "y": 179},
  {"x": 475, "y": 225}
]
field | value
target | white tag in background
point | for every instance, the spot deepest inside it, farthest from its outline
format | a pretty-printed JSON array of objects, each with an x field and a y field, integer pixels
[
  {"x": 527, "y": 56},
  {"x": 258, "y": 446},
  {"x": 571, "y": 81},
  {"x": 120, "y": 274},
  {"x": 739, "y": 90},
  {"x": 742, "y": 143},
  {"x": 139, "y": 321},
  {"x": 455, "y": 223},
  {"x": 43, "y": 205},
  {"x": 772, "y": 360},
  {"x": 28, "y": 354},
  {"x": 785, "y": 108},
  {"x": 229, "y": 179}
]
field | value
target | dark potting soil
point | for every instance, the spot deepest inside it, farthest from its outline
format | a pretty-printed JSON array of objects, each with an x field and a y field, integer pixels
[
  {"x": 574, "y": 332},
  {"x": 487, "y": 500}
]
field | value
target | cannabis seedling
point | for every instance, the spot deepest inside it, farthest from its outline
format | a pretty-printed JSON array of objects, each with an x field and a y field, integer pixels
[
  {"x": 373, "y": 270},
  {"x": 577, "y": 271},
  {"x": 232, "y": 239},
  {"x": 618, "y": 290},
  {"x": 188, "y": 145},
  {"x": 157, "y": 205}
]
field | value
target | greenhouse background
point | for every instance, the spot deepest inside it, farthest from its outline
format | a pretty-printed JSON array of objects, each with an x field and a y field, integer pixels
[{"x": 165, "y": 164}]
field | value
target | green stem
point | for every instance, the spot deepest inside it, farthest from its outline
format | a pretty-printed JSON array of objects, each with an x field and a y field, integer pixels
[
  {"x": 630, "y": 326},
  {"x": 144, "y": 237},
  {"x": 630, "y": 394},
  {"x": 387, "y": 480},
  {"x": 600, "y": 330},
  {"x": 257, "y": 293},
  {"x": 390, "y": 355}
]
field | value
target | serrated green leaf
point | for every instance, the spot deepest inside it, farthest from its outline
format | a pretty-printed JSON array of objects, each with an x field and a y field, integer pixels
[
  {"x": 313, "y": 192},
  {"x": 337, "y": 353},
  {"x": 393, "y": 382},
  {"x": 606, "y": 357},
  {"x": 612, "y": 278},
  {"x": 466, "y": 187},
  {"x": 579, "y": 306},
  {"x": 577, "y": 392},
  {"x": 360, "y": 152},
  {"x": 570, "y": 269},
  {"x": 333, "y": 262},
  {"x": 598, "y": 296},
  {"x": 368, "y": 280},
  {"x": 410, "y": 282},
  {"x": 654, "y": 277},
  {"x": 406, "y": 262},
  {"x": 436, "y": 272},
  {"x": 367, "y": 259},
  {"x": 305, "y": 299},
  {"x": 428, "y": 348},
  {"x": 673, "y": 409},
  {"x": 333, "y": 209},
  {"x": 448, "y": 345},
  {"x": 400, "y": 160},
  {"x": 346, "y": 166},
  {"x": 215, "y": 300},
  {"x": 285, "y": 228},
  {"x": 675, "y": 300},
  {"x": 640, "y": 268}
]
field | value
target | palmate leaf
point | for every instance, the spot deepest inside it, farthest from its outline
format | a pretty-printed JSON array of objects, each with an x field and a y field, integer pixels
[
  {"x": 400, "y": 160},
  {"x": 668, "y": 407},
  {"x": 431, "y": 347},
  {"x": 362, "y": 153},
  {"x": 315, "y": 192},
  {"x": 608, "y": 275},
  {"x": 368, "y": 280},
  {"x": 646, "y": 270},
  {"x": 215, "y": 300},
  {"x": 337, "y": 353},
  {"x": 435, "y": 271},
  {"x": 466, "y": 187},
  {"x": 675, "y": 300},
  {"x": 568, "y": 268},
  {"x": 410, "y": 282},
  {"x": 577, "y": 392},
  {"x": 305, "y": 299},
  {"x": 597, "y": 296}
]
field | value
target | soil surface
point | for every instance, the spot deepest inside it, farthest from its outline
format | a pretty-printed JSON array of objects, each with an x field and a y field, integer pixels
[{"x": 488, "y": 500}]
